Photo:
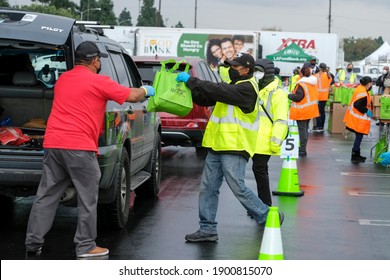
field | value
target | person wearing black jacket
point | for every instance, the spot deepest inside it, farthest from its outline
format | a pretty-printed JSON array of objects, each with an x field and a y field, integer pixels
[
  {"x": 358, "y": 116},
  {"x": 381, "y": 80},
  {"x": 227, "y": 136}
]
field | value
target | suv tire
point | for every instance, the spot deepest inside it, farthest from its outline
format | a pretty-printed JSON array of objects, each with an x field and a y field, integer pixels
[{"x": 116, "y": 213}]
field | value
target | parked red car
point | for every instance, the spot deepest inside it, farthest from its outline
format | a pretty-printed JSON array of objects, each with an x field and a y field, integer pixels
[{"x": 180, "y": 131}]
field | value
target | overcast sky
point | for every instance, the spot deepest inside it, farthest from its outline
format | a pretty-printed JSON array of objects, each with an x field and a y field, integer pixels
[{"x": 359, "y": 18}]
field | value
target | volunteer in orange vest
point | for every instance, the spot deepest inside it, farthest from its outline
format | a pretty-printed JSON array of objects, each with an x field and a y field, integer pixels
[
  {"x": 358, "y": 116},
  {"x": 324, "y": 81},
  {"x": 304, "y": 105}
]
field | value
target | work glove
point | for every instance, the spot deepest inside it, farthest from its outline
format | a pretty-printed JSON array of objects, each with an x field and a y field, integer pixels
[
  {"x": 385, "y": 159},
  {"x": 183, "y": 77},
  {"x": 149, "y": 90},
  {"x": 369, "y": 113}
]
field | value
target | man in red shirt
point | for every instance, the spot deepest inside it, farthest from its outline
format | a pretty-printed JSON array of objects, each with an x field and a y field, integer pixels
[{"x": 71, "y": 146}]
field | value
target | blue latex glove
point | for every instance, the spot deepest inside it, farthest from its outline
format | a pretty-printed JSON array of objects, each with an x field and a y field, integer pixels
[
  {"x": 183, "y": 77},
  {"x": 385, "y": 157},
  {"x": 149, "y": 90},
  {"x": 369, "y": 113}
]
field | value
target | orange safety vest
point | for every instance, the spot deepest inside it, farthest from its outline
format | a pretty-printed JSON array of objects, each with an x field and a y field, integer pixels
[
  {"x": 307, "y": 108},
  {"x": 323, "y": 86},
  {"x": 353, "y": 118}
]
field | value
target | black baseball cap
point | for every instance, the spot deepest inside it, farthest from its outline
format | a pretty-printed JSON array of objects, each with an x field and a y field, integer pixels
[
  {"x": 323, "y": 66},
  {"x": 242, "y": 59},
  {"x": 88, "y": 50}
]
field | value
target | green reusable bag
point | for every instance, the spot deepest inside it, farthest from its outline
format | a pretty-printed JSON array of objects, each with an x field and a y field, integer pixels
[
  {"x": 380, "y": 147},
  {"x": 385, "y": 108},
  {"x": 171, "y": 96}
]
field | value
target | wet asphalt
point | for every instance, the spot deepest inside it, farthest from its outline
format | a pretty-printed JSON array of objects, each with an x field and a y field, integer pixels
[{"x": 344, "y": 213}]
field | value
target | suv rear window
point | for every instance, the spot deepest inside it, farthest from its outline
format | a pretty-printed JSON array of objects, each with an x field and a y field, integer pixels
[{"x": 46, "y": 64}]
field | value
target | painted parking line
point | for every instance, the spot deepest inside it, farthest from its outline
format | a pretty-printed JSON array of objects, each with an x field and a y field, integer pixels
[
  {"x": 342, "y": 160},
  {"x": 381, "y": 194},
  {"x": 361, "y": 174},
  {"x": 382, "y": 223}
]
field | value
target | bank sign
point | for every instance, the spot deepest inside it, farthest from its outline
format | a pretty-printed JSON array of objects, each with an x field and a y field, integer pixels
[{"x": 179, "y": 44}]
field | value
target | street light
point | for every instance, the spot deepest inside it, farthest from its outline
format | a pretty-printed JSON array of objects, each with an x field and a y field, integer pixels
[
  {"x": 196, "y": 11},
  {"x": 87, "y": 10},
  {"x": 122, "y": 21}
]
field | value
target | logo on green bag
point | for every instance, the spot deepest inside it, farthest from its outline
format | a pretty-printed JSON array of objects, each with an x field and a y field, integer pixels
[{"x": 178, "y": 90}]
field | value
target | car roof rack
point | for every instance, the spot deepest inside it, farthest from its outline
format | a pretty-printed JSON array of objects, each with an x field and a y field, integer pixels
[{"x": 92, "y": 26}]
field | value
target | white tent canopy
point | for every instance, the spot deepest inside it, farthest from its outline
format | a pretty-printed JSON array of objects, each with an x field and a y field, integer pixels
[{"x": 380, "y": 56}]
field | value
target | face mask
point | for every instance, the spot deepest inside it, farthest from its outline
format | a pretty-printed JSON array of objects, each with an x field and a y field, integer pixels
[
  {"x": 234, "y": 74},
  {"x": 384, "y": 72},
  {"x": 258, "y": 75},
  {"x": 349, "y": 69}
]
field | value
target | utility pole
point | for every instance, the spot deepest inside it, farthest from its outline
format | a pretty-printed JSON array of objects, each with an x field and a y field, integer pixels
[
  {"x": 196, "y": 9},
  {"x": 330, "y": 15},
  {"x": 159, "y": 14}
]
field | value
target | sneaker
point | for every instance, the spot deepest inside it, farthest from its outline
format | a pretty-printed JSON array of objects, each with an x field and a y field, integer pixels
[
  {"x": 302, "y": 154},
  {"x": 97, "y": 252},
  {"x": 33, "y": 254},
  {"x": 200, "y": 236}
]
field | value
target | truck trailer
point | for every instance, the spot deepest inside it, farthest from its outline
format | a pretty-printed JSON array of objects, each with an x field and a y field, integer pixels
[{"x": 189, "y": 42}]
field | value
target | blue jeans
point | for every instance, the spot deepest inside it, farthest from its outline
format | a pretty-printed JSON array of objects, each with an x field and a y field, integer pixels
[
  {"x": 232, "y": 167},
  {"x": 357, "y": 142}
]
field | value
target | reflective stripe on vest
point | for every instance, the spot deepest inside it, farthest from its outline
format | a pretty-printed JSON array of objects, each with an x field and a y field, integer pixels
[
  {"x": 308, "y": 98},
  {"x": 231, "y": 119}
]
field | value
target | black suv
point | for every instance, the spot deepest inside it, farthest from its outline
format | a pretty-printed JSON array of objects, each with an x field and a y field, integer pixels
[{"x": 35, "y": 49}]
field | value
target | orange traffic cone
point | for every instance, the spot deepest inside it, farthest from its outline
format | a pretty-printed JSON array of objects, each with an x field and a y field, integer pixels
[
  {"x": 288, "y": 181},
  {"x": 271, "y": 245}
]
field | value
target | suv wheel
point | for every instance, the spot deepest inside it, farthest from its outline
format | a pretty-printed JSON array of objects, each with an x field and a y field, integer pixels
[
  {"x": 152, "y": 186},
  {"x": 116, "y": 214}
]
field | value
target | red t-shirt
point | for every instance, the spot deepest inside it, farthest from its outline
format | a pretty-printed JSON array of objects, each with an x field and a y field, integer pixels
[{"x": 77, "y": 116}]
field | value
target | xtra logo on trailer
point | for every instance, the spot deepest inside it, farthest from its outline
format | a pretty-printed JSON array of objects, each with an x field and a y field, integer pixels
[{"x": 303, "y": 43}]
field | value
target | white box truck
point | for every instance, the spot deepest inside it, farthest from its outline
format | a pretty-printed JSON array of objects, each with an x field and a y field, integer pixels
[{"x": 324, "y": 46}]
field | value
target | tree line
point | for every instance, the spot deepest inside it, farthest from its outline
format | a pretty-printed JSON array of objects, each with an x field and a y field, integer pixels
[{"x": 103, "y": 11}]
